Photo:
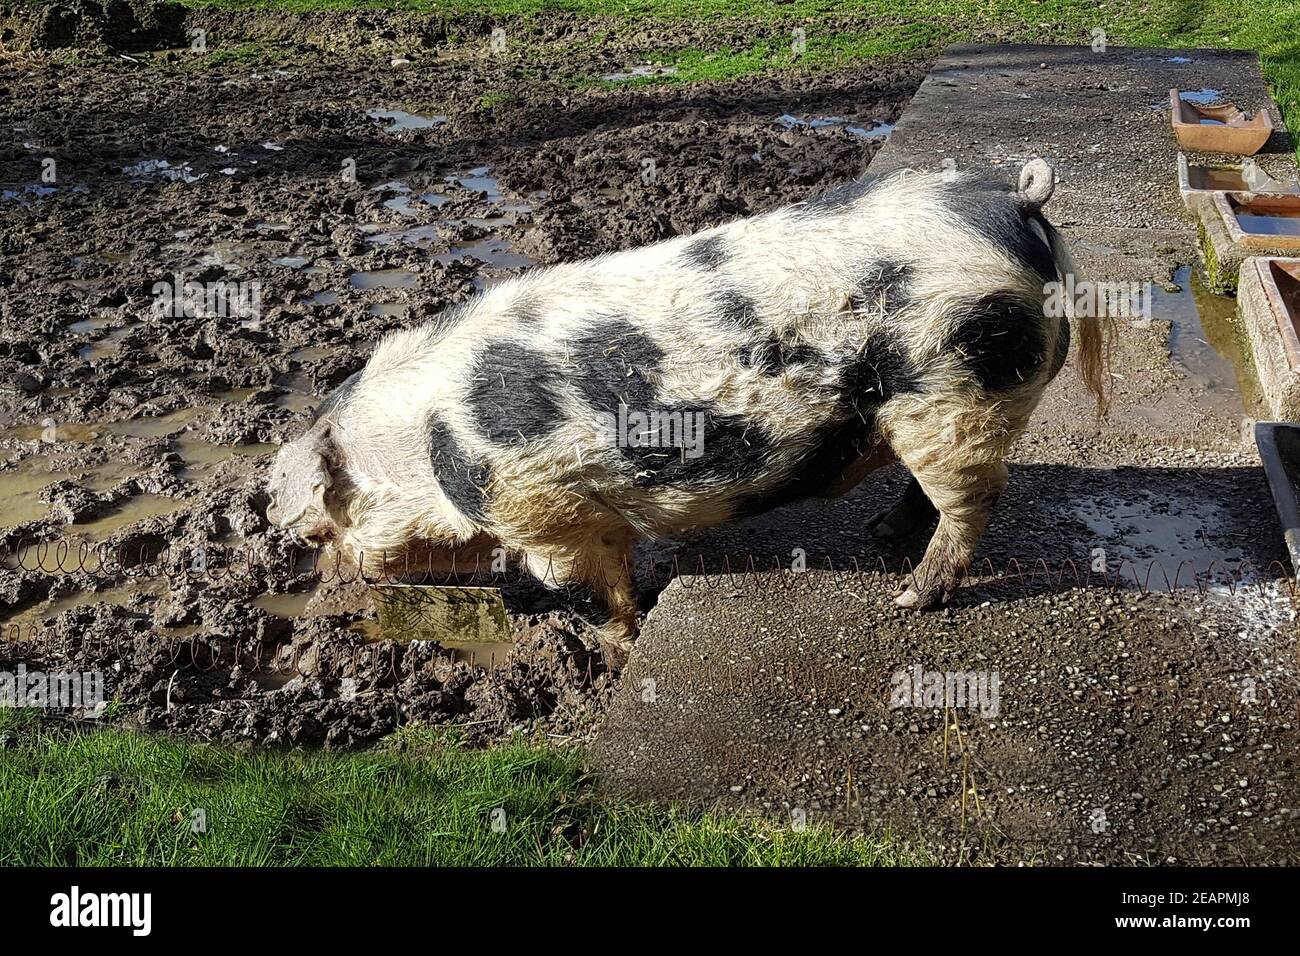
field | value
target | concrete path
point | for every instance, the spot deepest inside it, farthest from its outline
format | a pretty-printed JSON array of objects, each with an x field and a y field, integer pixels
[{"x": 1116, "y": 725}]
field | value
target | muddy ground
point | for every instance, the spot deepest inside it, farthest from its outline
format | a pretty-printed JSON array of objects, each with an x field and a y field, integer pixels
[{"x": 133, "y": 445}]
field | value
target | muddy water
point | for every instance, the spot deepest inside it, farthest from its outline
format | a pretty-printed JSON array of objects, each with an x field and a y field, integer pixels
[
  {"x": 876, "y": 131},
  {"x": 384, "y": 279},
  {"x": 399, "y": 121},
  {"x": 25, "y": 622},
  {"x": 1206, "y": 343},
  {"x": 130, "y": 512},
  {"x": 20, "y": 493},
  {"x": 1213, "y": 177},
  {"x": 638, "y": 72}
]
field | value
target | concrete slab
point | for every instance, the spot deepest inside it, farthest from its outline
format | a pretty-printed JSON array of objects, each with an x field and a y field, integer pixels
[{"x": 1125, "y": 718}]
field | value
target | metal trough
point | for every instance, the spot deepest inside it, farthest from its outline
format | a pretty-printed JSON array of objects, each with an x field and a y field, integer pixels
[{"x": 1279, "y": 449}]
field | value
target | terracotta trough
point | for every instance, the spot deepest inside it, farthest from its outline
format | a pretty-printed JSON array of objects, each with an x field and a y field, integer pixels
[
  {"x": 1269, "y": 299},
  {"x": 1218, "y": 129},
  {"x": 1261, "y": 220},
  {"x": 1200, "y": 181},
  {"x": 1236, "y": 226}
]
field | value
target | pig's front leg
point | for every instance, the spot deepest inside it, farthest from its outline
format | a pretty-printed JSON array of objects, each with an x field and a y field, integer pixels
[{"x": 603, "y": 563}]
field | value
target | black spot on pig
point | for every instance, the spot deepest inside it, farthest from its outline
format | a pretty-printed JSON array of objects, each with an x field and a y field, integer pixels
[
  {"x": 875, "y": 372},
  {"x": 772, "y": 356},
  {"x": 514, "y": 395},
  {"x": 737, "y": 310},
  {"x": 992, "y": 208},
  {"x": 869, "y": 376},
  {"x": 463, "y": 481},
  {"x": 829, "y": 453},
  {"x": 708, "y": 253},
  {"x": 999, "y": 340},
  {"x": 885, "y": 288},
  {"x": 691, "y": 448},
  {"x": 615, "y": 366}
]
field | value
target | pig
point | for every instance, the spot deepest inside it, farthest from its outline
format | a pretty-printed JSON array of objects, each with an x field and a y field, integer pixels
[{"x": 569, "y": 411}]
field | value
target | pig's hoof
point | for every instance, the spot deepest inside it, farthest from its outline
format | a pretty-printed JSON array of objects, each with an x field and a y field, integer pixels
[{"x": 923, "y": 599}]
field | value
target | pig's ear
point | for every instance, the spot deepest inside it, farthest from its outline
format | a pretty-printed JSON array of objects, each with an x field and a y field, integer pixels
[{"x": 331, "y": 459}]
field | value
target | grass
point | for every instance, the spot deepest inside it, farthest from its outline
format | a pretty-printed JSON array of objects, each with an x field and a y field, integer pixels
[{"x": 111, "y": 797}]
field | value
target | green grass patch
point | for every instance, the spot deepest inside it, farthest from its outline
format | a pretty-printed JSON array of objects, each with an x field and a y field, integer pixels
[{"x": 111, "y": 797}]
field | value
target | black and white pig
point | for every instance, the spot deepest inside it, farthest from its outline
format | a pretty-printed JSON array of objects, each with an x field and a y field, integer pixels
[{"x": 573, "y": 409}]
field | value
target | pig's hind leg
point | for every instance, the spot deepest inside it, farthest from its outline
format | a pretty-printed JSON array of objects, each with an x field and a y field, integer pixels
[{"x": 910, "y": 514}]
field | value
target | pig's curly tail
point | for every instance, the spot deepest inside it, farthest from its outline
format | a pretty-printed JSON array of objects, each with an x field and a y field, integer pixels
[{"x": 1037, "y": 182}]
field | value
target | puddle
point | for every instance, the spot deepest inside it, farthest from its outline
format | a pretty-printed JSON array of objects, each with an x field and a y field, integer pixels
[
  {"x": 384, "y": 279},
  {"x": 284, "y": 605},
  {"x": 415, "y": 236},
  {"x": 106, "y": 346},
  {"x": 200, "y": 453},
  {"x": 1153, "y": 527},
  {"x": 312, "y": 353},
  {"x": 400, "y": 120},
  {"x": 159, "y": 169},
  {"x": 1205, "y": 342},
  {"x": 295, "y": 402},
  {"x": 298, "y": 396},
  {"x": 20, "y": 493},
  {"x": 92, "y": 325},
  {"x": 638, "y": 72},
  {"x": 393, "y": 310},
  {"x": 236, "y": 395},
  {"x": 293, "y": 262},
  {"x": 876, "y": 131},
  {"x": 153, "y": 427},
  {"x": 50, "y": 432},
  {"x": 324, "y": 298},
  {"x": 478, "y": 180},
  {"x": 129, "y": 512},
  {"x": 23, "y": 195},
  {"x": 229, "y": 254},
  {"x": 491, "y": 250},
  {"x": 29, "y": 620}
]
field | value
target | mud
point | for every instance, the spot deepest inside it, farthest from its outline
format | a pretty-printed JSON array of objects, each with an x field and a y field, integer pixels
[{"x": 341, "y": 199}]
